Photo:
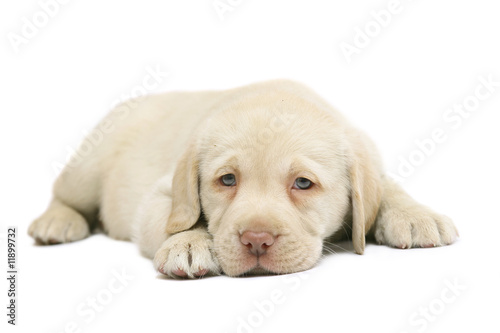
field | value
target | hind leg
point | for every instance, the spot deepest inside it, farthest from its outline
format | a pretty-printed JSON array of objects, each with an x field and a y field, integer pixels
[
  {"x": 73, "y": 210},
  {"x": 59, "y": 224}
]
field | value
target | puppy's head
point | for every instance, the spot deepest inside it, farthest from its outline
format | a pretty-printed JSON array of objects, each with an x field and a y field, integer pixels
[{"x": 273, "y": 177}]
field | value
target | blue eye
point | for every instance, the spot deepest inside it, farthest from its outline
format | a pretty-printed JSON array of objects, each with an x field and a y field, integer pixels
[
  {"x": 302, "y": 183},
  {"x": 228, "y": 180}
]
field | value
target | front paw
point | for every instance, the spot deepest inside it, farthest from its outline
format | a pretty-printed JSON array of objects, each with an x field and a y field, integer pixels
[
  {"x": 187, "y": 254},
  {"x": 414, "y": 226}
]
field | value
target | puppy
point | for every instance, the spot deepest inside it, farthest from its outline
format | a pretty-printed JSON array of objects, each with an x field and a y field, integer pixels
[{"x": 243, "y": 181}]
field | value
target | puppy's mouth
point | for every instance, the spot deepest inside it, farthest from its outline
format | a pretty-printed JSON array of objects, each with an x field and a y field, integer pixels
[
  {"x": 256, "y": 265},
  {"x": 257, "y": 271},
  {"x": 246, "y": 263},
  {"x": 267, "y": 264}
]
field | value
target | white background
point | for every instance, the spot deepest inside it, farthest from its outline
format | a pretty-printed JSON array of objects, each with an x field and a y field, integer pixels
[{"x": 58, "y": 83}]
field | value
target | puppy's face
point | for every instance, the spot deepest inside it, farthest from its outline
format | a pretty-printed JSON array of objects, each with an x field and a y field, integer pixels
[{"x": 273, "y": 182}]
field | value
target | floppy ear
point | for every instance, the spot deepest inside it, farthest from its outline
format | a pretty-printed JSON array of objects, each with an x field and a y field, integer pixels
[
  {"x": 366, "y": 190},
  {"x": 185, "y": 198}
]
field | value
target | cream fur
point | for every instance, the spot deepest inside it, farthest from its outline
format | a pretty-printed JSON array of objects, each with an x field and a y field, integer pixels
[{"x": 155, "y": 179}]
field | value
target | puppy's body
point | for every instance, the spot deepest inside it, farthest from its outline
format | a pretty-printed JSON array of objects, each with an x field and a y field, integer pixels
[{"x": 162, "y": 159}]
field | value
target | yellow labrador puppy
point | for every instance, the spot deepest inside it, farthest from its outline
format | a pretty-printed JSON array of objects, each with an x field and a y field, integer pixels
[{"x": 243, "y": 181}]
